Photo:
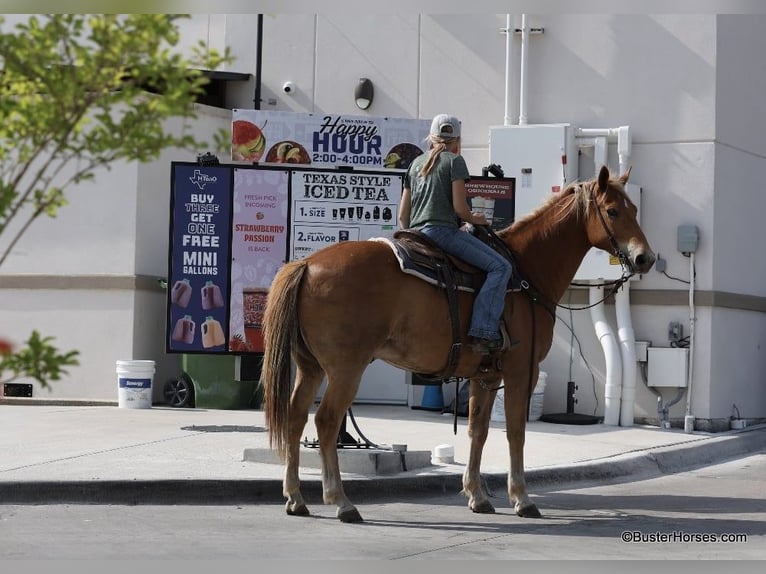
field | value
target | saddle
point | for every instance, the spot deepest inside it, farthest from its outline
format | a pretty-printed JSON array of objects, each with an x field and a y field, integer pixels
[{"x": 422, "y": 258}]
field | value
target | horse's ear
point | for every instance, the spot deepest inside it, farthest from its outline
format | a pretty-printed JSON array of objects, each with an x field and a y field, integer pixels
[
  {"x": 625, "y": 176},
  {"x": 603, "y": 178}
]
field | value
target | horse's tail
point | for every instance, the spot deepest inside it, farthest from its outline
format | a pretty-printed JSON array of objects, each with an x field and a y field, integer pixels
[{"x": 281, "y": 334}]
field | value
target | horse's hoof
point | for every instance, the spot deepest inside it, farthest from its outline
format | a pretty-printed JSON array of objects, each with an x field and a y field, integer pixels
[
  {"x": 298, "y": 510},
  {"x": 350, "y": 515},
  {"x": 529, "y": 511},
  {"x": 484, "y": 507}
]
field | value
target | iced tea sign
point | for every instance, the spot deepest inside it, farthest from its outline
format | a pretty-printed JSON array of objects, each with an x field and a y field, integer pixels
[{"x": 333, "y": 206}]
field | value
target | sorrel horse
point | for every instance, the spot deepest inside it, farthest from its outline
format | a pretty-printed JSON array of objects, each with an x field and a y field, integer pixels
[{"x": 349, "y": 304}]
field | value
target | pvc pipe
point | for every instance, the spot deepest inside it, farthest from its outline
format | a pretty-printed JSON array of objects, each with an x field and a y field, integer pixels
[
  {"x": 620, "y": 134},
  {"x": 599, "y": 153},
  {"x": 628, "y": 346},
  {"x": 605, "y": 335},
  {"x": 689, "y": 418},
  {"x": 508, "y": 52},
  {"x": 623, "y": 147},
  {"x": 524, "y": 71}
]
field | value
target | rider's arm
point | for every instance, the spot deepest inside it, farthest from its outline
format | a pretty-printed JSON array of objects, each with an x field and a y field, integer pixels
[
  {"x": 460, "y": 204},
  {"x": 404, "y": 209}
]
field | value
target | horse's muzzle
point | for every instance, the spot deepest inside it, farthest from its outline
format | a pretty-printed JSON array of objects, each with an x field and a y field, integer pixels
[{"x": 642, "y": 261}]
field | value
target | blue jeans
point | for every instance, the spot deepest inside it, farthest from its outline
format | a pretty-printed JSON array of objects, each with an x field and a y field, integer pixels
[{"x": 490, "y": 300}]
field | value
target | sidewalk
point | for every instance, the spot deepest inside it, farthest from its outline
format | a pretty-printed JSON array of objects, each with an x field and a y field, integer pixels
[{"x": 163, "y": 455}]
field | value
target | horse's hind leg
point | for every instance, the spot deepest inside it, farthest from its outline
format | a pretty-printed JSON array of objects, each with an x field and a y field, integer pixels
[
  {"x": 307, "y": 381},
  {"x": 340, "y": 393}
]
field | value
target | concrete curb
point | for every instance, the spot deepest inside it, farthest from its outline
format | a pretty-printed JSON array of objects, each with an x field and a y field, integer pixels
[
  {"x": 645, "y": 463},
  {"x": 437, "y": 480}
]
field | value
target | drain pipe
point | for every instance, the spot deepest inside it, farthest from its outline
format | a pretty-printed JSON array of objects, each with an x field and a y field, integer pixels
[
  {"x": 628, "y": 347},
  {"x": 508, "y": 52},
  {"x": 622, "y": 307},
  {"x": 524, "y": 71},
  {"x": 621, "y": 397},
  {"x": 605, "y": 335}
]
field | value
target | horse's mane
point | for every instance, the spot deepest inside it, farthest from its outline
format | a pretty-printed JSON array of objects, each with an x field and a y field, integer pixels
[{"x": 574, "y": 199}]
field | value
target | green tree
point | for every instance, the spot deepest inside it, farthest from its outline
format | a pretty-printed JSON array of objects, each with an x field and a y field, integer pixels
[{"x": 79, "y": 92}]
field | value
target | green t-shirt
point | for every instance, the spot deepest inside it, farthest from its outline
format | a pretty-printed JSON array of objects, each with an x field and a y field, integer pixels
[{"x": 431, "y": 196}]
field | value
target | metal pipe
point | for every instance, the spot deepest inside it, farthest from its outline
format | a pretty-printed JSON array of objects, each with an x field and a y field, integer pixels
[{"x": 258, "y": 63}]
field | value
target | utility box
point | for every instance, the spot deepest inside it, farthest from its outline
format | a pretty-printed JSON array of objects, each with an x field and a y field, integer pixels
[
  {"x": 667, "y": 367},
  {"x": 542, "y": 158}
]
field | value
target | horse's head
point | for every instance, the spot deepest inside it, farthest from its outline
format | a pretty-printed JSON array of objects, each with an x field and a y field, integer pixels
[{"x": 612, "y": 223}]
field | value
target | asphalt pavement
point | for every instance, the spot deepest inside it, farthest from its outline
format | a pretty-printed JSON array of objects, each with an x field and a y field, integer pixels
[{"x": 100, "y": 453}]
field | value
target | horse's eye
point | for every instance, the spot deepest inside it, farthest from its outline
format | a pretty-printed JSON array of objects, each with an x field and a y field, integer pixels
[{"x": 611, "y": 212}]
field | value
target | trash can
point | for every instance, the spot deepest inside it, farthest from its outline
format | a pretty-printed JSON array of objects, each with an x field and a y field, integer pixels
[{"x": 217, "y": 382}]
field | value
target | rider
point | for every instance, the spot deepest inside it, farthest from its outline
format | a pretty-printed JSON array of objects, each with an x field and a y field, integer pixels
[{"x": 433, "y": 201}]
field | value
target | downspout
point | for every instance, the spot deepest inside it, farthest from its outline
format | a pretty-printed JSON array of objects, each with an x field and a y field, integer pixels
[
  {"x": 605, "y": 335},
  {"x": 524, "y": 71},
  {"x": 508, "y": 53}
]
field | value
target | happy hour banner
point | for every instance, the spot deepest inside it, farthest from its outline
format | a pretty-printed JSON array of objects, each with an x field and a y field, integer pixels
[{"x": 326, "y": 140}]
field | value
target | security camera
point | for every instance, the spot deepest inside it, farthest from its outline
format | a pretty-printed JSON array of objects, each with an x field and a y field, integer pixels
[{"x": 288, "y": 87}]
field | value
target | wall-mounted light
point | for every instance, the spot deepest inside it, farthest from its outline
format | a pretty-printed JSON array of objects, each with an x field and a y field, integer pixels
[{"x": 363, "y": 93}]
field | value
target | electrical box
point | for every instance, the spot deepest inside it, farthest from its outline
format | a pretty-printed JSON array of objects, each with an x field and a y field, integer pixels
[
  {"x": 688, "y": 238},
  {"x": 542, "y": 158},
  {"x": 667, "y": 367}
]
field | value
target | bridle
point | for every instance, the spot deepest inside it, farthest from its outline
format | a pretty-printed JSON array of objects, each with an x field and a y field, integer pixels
[{"x": 627, "y": 268}]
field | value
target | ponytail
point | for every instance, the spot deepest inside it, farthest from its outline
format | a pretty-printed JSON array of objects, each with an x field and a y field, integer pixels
[{"x": 438, "y": 145}]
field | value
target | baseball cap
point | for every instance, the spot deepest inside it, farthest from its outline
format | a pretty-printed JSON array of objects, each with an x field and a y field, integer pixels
[{"x": 446, "y": 126}]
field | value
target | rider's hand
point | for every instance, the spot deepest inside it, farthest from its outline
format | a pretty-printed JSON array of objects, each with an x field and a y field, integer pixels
[{"x": 478, "y": 218}]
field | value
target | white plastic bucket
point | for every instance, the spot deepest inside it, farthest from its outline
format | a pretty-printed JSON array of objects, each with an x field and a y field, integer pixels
[
  {"x": 535, "y": 403},
  {"x": 134, "y": 384}
]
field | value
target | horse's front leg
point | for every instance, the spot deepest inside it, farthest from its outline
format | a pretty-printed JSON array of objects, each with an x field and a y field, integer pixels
[
  {"x": 479, "y": 409},
  {"x": 516, "y": 404}
]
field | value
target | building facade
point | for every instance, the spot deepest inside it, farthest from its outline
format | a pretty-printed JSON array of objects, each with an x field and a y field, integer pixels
[{"x": 688, "y": 86}]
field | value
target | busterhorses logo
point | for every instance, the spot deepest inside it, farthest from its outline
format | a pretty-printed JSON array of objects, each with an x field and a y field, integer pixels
[{"x": 202, "y": 179}]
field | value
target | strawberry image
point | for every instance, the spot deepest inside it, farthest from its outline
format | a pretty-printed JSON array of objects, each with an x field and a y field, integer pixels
[{"x": 247, "y": 141}]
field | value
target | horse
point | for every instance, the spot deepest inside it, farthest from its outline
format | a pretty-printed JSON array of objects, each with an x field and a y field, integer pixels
[{"x": 334, "y": 312}]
